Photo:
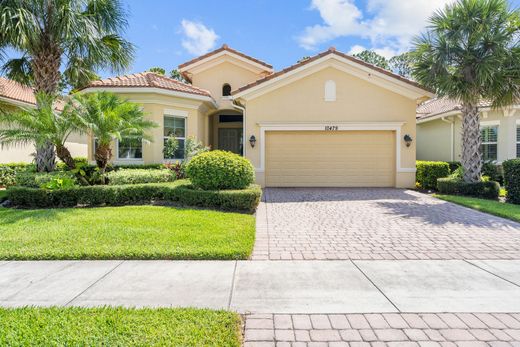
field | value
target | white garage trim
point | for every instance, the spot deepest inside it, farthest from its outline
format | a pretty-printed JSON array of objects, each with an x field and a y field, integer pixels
[{"x": 332, "y": 127}]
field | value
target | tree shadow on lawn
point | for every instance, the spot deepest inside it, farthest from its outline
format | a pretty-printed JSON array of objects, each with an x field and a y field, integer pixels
[
  {"x": 14, "y": 215},
  {"x": 446, "y": 213}
]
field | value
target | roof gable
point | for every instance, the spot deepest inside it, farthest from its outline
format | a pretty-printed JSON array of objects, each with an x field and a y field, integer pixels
[
  {"x": 338, "y": 60},
  {"x": 208, "y": 60}
]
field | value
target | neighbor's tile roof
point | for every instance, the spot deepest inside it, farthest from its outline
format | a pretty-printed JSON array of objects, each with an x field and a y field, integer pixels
[
  {"x": 148, "y": 80},
  {"x": 331, "y": 50},
  {"x": 15, "y": 91},
  {"x": 225, "y": 48},
  {"x": 441, "y": 105}
]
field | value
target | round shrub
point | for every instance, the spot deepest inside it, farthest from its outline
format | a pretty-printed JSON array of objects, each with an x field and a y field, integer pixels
[{"x": 220, "y": 170}]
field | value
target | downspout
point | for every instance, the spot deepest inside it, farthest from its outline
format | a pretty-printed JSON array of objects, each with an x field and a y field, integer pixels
[
  {"x": 243, "y": 109},
  {"x": 452, "y": 136}
]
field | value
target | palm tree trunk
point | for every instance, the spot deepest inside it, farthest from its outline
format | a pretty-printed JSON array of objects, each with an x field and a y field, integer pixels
[
  {"x": 45, "y": 158},
  {"x": 102, "y": 156},
  {"x": 46, "y": 70},
  {"x": 471, "y": 142},
  {"x": 64, "y": 154}
]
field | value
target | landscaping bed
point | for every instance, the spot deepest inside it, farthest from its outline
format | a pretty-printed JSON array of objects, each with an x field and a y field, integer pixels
[
  {"x": 180, "y": 192},
  {"x": 497, "y": 208},
  {"x": 126, "y": 232},
  {"x": 74, "y": 326}
]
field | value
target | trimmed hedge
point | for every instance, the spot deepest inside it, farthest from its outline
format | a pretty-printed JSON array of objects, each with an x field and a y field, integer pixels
[
  {"x": 429, "y": 171},
  {"x": 137, "y": 176},
  {"x": 181, "y": 192},
  {"x": 454, "y": 165},
  {"x": 455, "y": 186},
  {"x": 220, "y": 170},
  {"x": 32, "y": 179},
  {"x": 8, "y": 172},
  {"x": 512, "y": 180}
]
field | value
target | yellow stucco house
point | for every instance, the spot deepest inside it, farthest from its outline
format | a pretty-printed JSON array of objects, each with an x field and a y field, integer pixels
[
  {"x": 330, "y": 120},
  {"x": 14, "y": 95},
  {"x": 439, "y": 130}
]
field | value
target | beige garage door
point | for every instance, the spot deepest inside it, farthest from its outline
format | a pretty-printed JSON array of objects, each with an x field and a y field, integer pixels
[{"x": 330, "y": 159}]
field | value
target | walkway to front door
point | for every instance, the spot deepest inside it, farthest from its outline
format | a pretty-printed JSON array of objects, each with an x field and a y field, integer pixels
[{"x": 376, "y": 223}]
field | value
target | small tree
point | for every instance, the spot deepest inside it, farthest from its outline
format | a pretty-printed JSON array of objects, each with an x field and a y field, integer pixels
[
  {"x": 402, "y": 64},
  {"x": 470, "y": 53},
  {"x": 158, "y": 70},
  {"x": 177, "y": 75},
  {"x": 170, "y": 147},
  {"x": 41, "y": 125},
  {"x": 108, "y": 117},
  {"x": 373, "y": 58}
]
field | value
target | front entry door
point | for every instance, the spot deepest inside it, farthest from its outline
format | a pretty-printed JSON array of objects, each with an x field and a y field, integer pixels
[{"x": 230, "y": 139}]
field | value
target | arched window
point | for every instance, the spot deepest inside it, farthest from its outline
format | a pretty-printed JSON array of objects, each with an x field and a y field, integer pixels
[
  {"x": 330, "y": 90},
  {"x": 226, "y": 90}
]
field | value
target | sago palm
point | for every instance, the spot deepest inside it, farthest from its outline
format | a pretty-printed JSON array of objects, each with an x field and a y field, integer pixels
[
  {"x": 62, "y": 40},
  {"x": 471, "y": 53},
  {"x": 108, "y": 117},
  {"x": 45, "y": 124}
]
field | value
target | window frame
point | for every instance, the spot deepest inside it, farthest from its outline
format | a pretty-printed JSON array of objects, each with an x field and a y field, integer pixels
[
  {"x": 129, "y": 159},
  {"x": 517, "y": 138},
  {"x": 487, "y": 143},
  {"x": 185, "y": 119}
]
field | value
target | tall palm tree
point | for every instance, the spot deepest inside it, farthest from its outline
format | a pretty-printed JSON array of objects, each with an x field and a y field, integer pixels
[
  {"x": 81, "y": 35},
  {"x": 470, "y": 53},
  {"x": 108, "y": 117},
  {"x": 45, "y": 124}
]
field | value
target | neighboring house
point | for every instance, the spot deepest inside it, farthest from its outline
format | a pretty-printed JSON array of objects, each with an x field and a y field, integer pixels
[
  {"x": 439, "y": 130},
  {"x": 331, "y": 120},
  {"x": 14, "y": 95}
]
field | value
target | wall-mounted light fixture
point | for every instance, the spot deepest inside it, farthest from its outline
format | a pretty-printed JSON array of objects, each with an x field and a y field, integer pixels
[
  {"x": 408, "y": 140},
  {"x": 252, "y": 141}
]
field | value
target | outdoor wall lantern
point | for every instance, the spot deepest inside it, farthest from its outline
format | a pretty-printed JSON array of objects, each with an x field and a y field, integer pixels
[
  {"x": 252, "y": 141},
  {"x": 408, "y": 140}
]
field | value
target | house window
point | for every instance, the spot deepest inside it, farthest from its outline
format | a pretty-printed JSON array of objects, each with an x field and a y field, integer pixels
[
  {"x": 489, "y": 147},
  {"x": 518, "y": 141},
  {"x": 330, "y": 90},
  {"x": 130, "y": 148},
  {"x": 175, "y": 126},
  {"x": 226, "y": 90}
]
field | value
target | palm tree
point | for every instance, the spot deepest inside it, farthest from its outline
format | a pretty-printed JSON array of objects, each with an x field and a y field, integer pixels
[
  {"x": 45, "y": 124},
  {"x": 471, "y": 53},
  {"x": 84, "y": 35},
  {"x": 108, "y": 117}
]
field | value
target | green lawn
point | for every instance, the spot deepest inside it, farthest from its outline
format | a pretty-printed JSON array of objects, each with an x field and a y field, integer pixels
[
  {"x": 496, "y": 208},
  {"x": 75, "y": 326},
  {"x": 128, "y": 232}
]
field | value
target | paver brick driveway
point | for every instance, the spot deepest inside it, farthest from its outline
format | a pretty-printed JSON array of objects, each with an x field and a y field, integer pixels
[{"x": 377, "y": 223}]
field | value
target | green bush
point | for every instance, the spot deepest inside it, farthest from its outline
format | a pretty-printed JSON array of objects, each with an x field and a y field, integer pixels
[
  {"x": 180, "y": 192},
  {"x": 220, "y": 170},
  {"x": 8, "y": 172},
  {"x": 493, "y": 171},
  {"x": 136, "y": 166},
  {"x": 61, "y": 166},
  {"x": 456, "y": 186},
  {"x": 32, "y": 179},
  {"x": 512, "y": 180},
  {"x": 135, "y": 176},
  {"x": 454, "y": 165},
  {"x": 429, "y": 171}
]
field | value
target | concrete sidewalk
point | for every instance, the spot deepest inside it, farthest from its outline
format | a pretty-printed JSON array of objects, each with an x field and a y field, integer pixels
[{"x": 268, "y": 287}]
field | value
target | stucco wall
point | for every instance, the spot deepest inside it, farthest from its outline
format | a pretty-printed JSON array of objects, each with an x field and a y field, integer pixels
[
  {"x": 432, "y": 137},
  {"x": 212, "y": 79},
  {"x": 357, "y": 101},
  {"x": 434, "y": 141}
]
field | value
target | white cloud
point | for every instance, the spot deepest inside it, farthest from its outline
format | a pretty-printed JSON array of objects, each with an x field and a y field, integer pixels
[
  {"x": 198, "y": 39},
  {"x": 390, "y": 25},
  {"x": 356, "y": 49}
]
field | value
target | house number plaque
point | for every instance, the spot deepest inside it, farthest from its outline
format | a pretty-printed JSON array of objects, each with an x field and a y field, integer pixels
[{"x": 331, "y": 128}]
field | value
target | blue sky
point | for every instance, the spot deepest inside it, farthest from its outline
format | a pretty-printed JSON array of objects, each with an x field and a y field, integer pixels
[{"x": 280, "y": 32}]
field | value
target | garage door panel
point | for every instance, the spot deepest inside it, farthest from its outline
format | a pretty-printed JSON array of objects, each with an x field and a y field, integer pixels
[{"x": 330, "y": 159}]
